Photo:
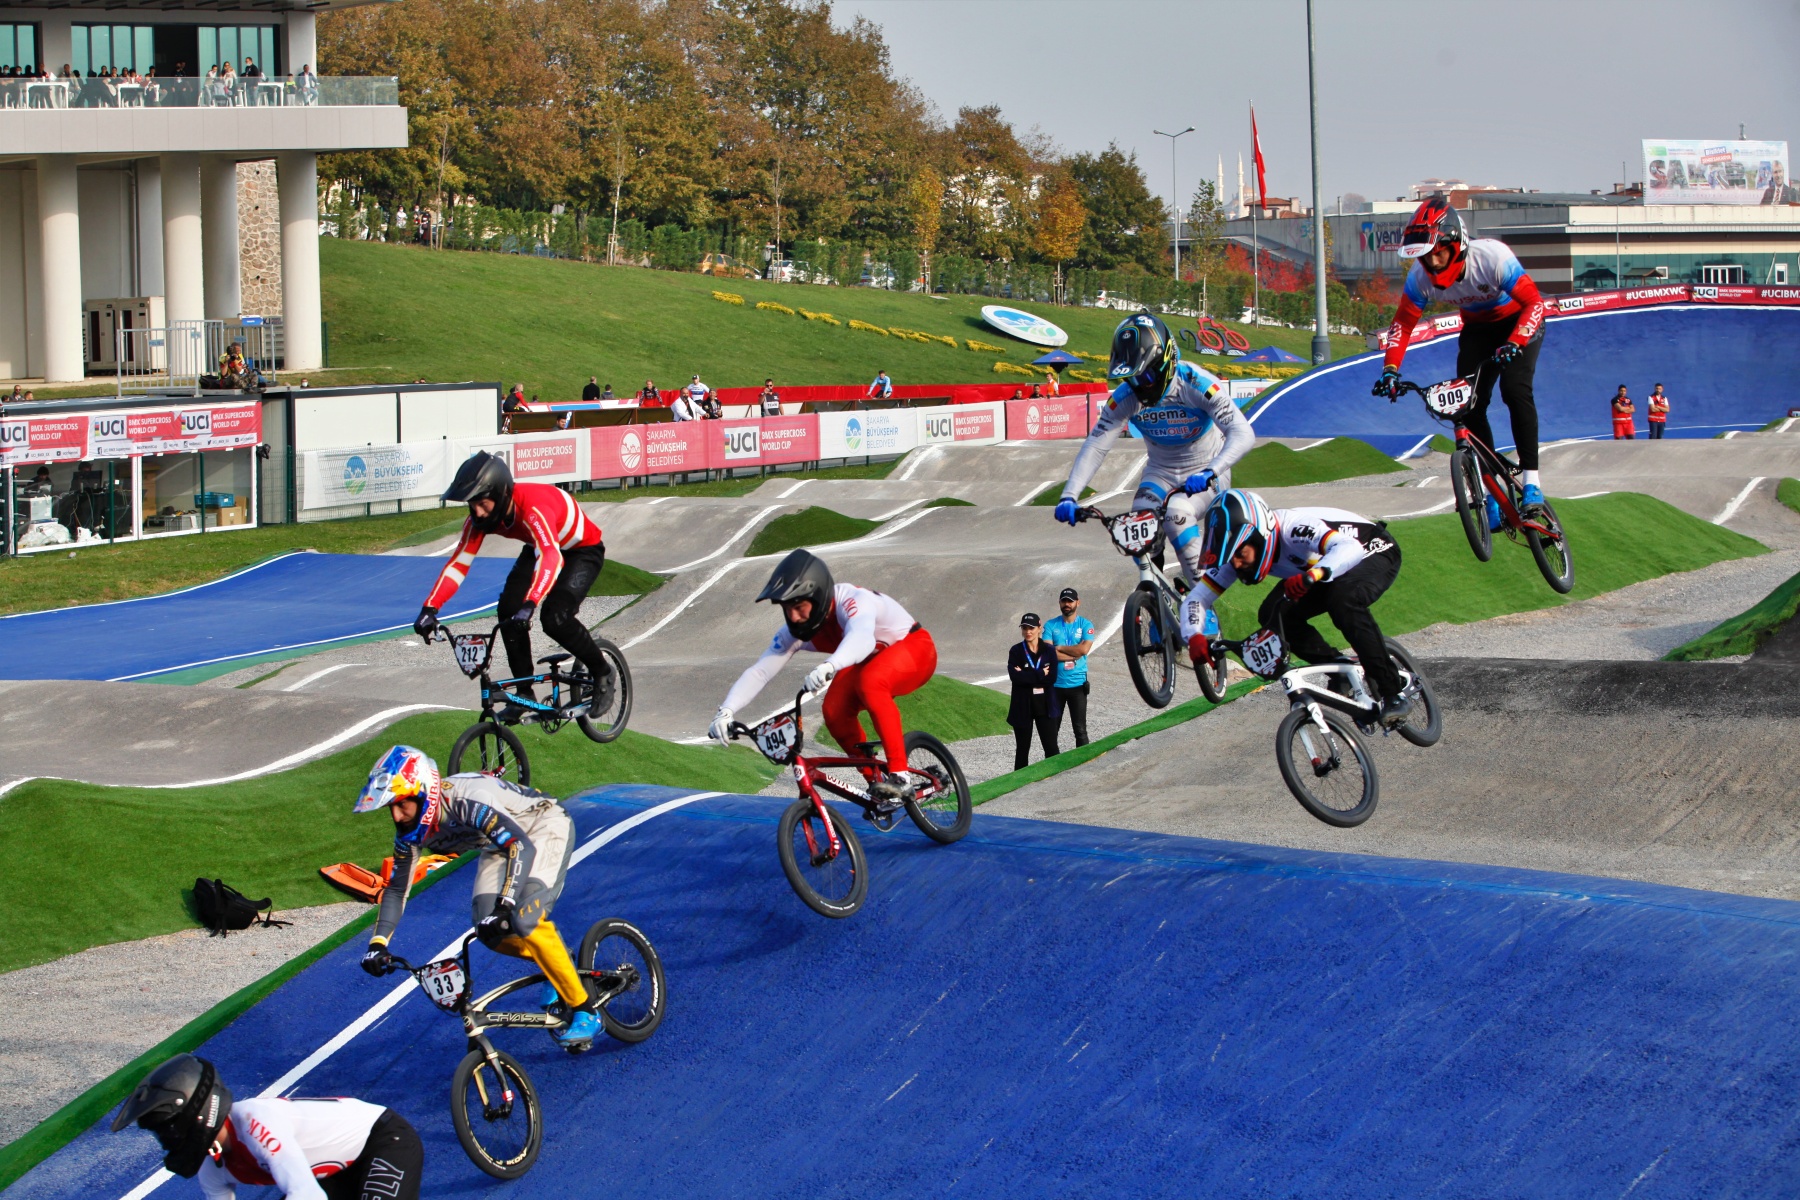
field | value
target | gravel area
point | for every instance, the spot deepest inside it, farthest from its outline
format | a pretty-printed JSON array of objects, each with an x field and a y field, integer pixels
[{"x": 170, "y": 980}]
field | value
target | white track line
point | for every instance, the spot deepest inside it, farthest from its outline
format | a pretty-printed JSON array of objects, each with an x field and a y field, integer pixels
[
  {"x": 300, "y": 756},
  {"x": 1026, "y": 499},
  {"x": 726, "y": 544},
  {"x": 888, "y": 516},
  {"x": 1320, "y": 442},
  {"x": 1427, "y": 481},
  {"x": 978, "y": 683},
  {"x": 10, "y": 784},
  {"x": 1737, "y": 501},
  {"x": 1423, "y": 512},
  {"x": 1118, "y": 623},
  {"x": 294, "y": 687},
  {"x": 918, "y": 456},
  {"x": 1421, "y": 444},
  {"x": 794, "y": 488},
  {"x": 165, "y": 595},
  {"x": 682, "y": 607},
  {"x": 400, "y": 991},
  {"x": 1590, "y": 495},
  {"x": 1729, "y": 434},
  {"x": 1786, "y": 425}
]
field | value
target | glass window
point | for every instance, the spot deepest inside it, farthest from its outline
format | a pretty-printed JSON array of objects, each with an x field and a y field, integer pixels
[
  {"x": 99, "y": 46},
  {"x": 121, "y": 47},
  {"x": 228, "y": 47},
  {"x": 225, "y": 500},
  {"x": 72, "y": 503},
  {"x": 265, "y": 40},
  {"x": 220, "y": 44},
  {"x": 78, "y": 51},
  {"x": 209, "y": 50},
  {"x": 143, "y": 41},
  {"x": 7, "y": 53},
  {"x": 171, "y": 482}
]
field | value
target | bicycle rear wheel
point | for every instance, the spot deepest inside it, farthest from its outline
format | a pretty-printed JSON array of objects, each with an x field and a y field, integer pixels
[
  {"x": 1329, "y": 771},
  {"x": 1425, "y": 724},
  {"x": 638, "y": 988},
  {"x": 1149, "y": 647},
  {"x": 1552, "y": 554},
  {"x": 944, "y": 809},
  {"x": 833, "y": 884},
  {"x": 1471, "y": 502},
  {"x": 615, "y": 695},
  {"x": 494, "y": 750},
  {"x": 496, "y": 1113}
]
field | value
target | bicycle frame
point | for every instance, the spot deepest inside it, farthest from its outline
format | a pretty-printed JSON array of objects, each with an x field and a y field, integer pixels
[
  {"x": 1500, "y": 476},
  {"x": 473, "y": 1012},
  {"x": 1150, "y": 576},
  {"x": 1309, "y": 686},
  {"x": 495, "y": 692}
]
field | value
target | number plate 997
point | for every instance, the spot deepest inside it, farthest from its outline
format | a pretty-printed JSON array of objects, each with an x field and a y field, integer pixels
[{"x": 1262, "y": 653}]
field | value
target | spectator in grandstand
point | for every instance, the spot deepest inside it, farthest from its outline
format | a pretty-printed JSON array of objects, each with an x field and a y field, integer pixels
[
  {"x": 1018, "y": 393},
  {"x": 591, "y": 392},
  {"x": 565, "y": 419},
  {"x": 1659, "y": 413},
  {"x": 682, "y": 407},
  {"x": 1032, "y": 666},
  {"x": 606, "y": 393},
  {"x": 697, "y": 394},
  {"x": 881, "y": 387},
  {"x": 1052, "y": 385},
  {"x": 514, "y": 402},
  {"x": 1070, "y": 636},
  {"x": 769, "y": 400},
  {"x": 649, "y": 397},
  {"x": 1037, "y": 391},
  {"x": 1622, "y": 410}
]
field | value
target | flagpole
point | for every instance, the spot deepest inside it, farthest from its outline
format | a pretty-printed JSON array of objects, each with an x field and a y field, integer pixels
[
  {"x": 1255, "y": 245},
  {"x": 1321, "y": 342}
]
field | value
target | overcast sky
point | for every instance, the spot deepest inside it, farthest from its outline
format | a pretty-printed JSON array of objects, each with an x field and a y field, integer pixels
[{"x": 1549, "y": 94}]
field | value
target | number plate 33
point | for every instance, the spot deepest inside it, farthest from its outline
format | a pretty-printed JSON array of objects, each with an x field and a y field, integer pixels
[{"x": 445, "y": 983}]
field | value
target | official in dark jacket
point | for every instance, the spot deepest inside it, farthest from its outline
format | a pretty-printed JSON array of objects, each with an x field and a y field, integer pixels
[{"x": 1032, "y": 667}]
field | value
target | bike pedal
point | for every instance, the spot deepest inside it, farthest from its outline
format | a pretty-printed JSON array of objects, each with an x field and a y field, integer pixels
[{"x": 577, "y": 1047}]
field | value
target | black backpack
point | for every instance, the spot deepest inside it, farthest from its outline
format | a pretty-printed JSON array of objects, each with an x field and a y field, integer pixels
[{"x": 223, "y": 908}]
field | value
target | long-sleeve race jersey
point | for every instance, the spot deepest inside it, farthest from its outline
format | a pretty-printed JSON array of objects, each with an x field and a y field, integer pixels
[
  {"x": 545, "y": 517},
  {"x": 1332, "y": 539},
  {"x": 475, "y": 811},
  {"x": 1492, "y": 287},
  {"x": 861, "y": 621},
  {"x": 1174, "y": 430},
  {"x": 291, "y": 1144}
]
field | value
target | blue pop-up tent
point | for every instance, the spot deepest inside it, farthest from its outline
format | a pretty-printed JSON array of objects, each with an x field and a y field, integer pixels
[
  {"x": 1058, "y": 359},
  {"x": 1272, "y": 354}
]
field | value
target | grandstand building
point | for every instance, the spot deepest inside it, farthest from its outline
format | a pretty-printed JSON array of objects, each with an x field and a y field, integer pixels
[{"x": 128, "y": 195}]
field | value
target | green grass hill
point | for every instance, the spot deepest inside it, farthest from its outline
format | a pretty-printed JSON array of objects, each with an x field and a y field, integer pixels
[{"x": 403, "y": 312}]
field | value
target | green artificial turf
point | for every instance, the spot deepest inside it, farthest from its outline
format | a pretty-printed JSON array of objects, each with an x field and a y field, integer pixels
[
  {"x": 950, "y": 502},
  {"x": 741, "y": 485},
  {"x": 1788, "y": 492},
  {"x": 813, "y": 526},
  {"x": 402, "y": 312},
  {"x": 1743, "y": 633},
  {"x": 127, "y": 857},
  {"x": 1441, "y": 444},
  {"x": 1617, "y": 540},
  {"x": 1275, "y": 465},
  {"x": 1049, "y": 496}
]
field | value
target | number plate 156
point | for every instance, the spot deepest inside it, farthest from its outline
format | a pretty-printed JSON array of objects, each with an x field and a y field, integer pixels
[{"x": 1135, "y": 532}]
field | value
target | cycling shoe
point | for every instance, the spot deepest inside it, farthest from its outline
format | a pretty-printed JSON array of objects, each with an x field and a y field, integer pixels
[
  {"x": 1495, "y": 520},
  {"x": 514, "y": 714},
  {"x": 1531, "y": 507},
  {"x": 549, "y": 999},
  {"x": 1395, "y": 709},
  {"x": 579, "y": 1035}
]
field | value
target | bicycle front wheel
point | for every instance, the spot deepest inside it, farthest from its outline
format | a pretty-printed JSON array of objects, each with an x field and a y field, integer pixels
[
  {"x": 496, "y": 1113},
  {"x": 942, "y": 808},
  {"x": 633, "y": 989},
  {"x": 492, "y": 749},
  {"x": 1471, "y": 502},
  {"x": 605, "y": 721},
  {"x": 1552, "y": 554},
  {"x": 1328, "y": 770},
  {"x": 833, "y": 883},
  {"x": 1425, "y": 724},
  {"x": 1150, "y": 647}
]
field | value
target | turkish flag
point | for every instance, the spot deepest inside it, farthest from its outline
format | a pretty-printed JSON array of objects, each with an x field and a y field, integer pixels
[{"x": 1262, "y": 187}]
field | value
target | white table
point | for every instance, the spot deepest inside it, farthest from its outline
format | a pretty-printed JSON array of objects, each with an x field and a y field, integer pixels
[
  {"x": 56, "y": 92},
  {"x": 271, "y": 91},
  {"x": 130, "y": 94}
]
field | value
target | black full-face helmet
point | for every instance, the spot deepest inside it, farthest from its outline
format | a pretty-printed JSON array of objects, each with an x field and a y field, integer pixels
[
  {"x": 185, "y": 1104},
  {"x": 483, "y": 476},
  {"x": 802, "y": 575},
  {"x": 1145, "y": 354}
]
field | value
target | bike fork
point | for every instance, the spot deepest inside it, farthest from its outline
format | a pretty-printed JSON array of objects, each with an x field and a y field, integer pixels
[
  {"x": 830, "y": 838},
  {"x": 1321, "y": 762}
]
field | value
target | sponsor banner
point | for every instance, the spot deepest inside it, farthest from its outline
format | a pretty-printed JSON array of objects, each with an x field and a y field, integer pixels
[
  {"x": 741, "y": 444},
  {"x": 153, "y": 432},
  {"x": 536, "y": 457},
  {"x": 937, "y": 426},
  {"x": 622, "y": 451},
  {"x": 371, "y": 474},
  {"x": 874, "y": 431},
  {"x": 240, "y": 425},
  {"x": 1716, "y": 172},
  {"x": 789, "y": 439},
  {"x": 1047, "y": 419},
  {"x": 43, "y": 439},
  {"x": 979, "y": 423}
]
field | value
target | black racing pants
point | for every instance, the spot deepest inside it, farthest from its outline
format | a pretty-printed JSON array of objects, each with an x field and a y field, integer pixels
[
  {"x": 1347, "y": 599},
  {"x": 559, "y": 612},
  {"x": 388, "y": 1167},
  {"x": 1022, "y": 735},
  {"x": 1474, "y": 347},
  {"x": 1074, "y": 700}
]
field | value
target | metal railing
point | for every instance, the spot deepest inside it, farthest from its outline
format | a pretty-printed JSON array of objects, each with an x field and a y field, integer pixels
[
  {"x": 263, "y": 91},
  {"x": 170, "y": 359}
]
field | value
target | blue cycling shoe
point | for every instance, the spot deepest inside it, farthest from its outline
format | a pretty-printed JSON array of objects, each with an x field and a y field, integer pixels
[
  {"x": 1532, "y": 508},
  {"x": 549, "y": 999},
  {"x": 1495, "y": 521},
  {"x": 580, "y": 1033}
]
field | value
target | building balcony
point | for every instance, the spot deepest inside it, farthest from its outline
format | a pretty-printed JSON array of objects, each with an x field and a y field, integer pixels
[{"x": 97, "y": 118}]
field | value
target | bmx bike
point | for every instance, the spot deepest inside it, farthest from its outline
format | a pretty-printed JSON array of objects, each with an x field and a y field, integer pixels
[
  {"x": 1478, "y": 471},
  {"x": 1152, "y": 624},
  {"x": 820, "y": 853},
  {"x": 493, "y": 1104},
  {"x": 1322, "y": 755},
  {"x": 496, "y": 749}
]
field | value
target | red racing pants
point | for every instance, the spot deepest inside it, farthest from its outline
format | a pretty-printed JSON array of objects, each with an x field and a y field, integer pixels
[{"x": 871, "y": 685}]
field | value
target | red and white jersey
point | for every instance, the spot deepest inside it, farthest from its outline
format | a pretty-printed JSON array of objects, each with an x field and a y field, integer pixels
[
  {"x": 1493, "y": 286},
  {"x": 291, "y": 1144},
  {"x": 861, "y": 622},
  {"x": 544, "y": 516}
]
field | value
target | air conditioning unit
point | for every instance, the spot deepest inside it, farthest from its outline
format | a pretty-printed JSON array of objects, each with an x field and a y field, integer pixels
[{"x": 104, "y": 318}]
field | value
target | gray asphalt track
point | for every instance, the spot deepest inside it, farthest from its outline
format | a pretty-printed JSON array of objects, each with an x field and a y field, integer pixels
[{"x": 1677, "y": 773}]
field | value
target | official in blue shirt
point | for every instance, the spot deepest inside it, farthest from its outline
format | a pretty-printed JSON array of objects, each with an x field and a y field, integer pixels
[{"x": 1073, "y": 636}]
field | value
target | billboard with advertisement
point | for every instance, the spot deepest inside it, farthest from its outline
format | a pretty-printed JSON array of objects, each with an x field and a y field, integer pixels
[
  {"x": 370, "y": 474},
  {"x": 873, "y": 431},
  {"x": 622, "y": 451},
  {"x": 1047, "y": 419},
  {"x": 788, "y": 439},
  {"x": 1716, "y": 172}
]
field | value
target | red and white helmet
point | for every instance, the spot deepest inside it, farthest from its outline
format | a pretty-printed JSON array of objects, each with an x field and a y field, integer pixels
[{"x": 1435, "y": 223}]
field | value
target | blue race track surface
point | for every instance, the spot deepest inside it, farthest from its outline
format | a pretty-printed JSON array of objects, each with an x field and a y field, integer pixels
[
  {"x": 297, "y": 601},
  {"x": 1047, "y": 1009},
  {"x": 1723, "y": 368}
]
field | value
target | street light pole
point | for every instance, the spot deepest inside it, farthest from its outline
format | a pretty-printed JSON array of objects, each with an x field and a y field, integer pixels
[
  {"x": 1175, "y": 192},
  {"x": 1321, "y": 342}
]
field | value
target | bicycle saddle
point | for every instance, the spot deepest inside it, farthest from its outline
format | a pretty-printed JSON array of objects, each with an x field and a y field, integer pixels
[{"x": 550, "y": 660}]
